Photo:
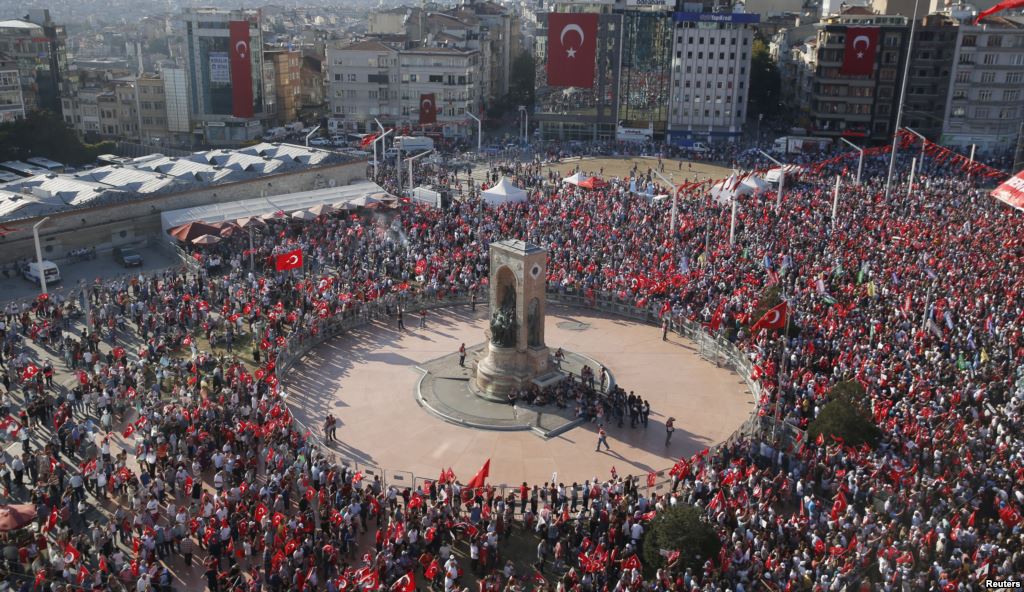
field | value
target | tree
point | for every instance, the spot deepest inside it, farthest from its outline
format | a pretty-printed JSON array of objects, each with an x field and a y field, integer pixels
[
  {"x": 43, "y": 133},
  {"x": 845, "y": 416},
  {"x": 681, "y": 528},
  {"x": 765, "y": 82},
  {"x": 522, "y": 81}
]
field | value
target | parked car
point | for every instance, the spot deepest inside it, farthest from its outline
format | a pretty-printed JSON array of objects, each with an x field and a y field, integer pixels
[
  {"x": 30, "y": 271},
  {"x": 319, "y": 142},
  {"x": 127, "y": 256}
]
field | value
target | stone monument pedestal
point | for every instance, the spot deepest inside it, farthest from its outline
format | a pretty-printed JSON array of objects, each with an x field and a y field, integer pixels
[{"x": 505, "y": 369}]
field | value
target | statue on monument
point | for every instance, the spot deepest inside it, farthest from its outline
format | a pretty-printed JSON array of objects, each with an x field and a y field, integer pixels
[
  {"x": 533, "y": 323},
  {"x": 503, "y": 320}
]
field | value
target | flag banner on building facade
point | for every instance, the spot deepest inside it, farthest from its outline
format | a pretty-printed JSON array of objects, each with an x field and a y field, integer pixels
[
  {"x": 859, "y": 53},
  {"x": 572, "y": 49},
  {"x": 1011, "y": 192},
  {"x": 241, "y": 69},
  {"x": 428, "y": 109}
]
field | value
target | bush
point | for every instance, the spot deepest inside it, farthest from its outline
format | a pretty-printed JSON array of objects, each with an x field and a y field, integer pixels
[
  {"x": 840, "y": 417},
  {"x": 680, "y": 529}
]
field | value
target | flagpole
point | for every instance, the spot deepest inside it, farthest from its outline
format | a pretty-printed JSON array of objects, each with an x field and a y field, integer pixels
[
  {"x": 835, "y": 202},
  {"x": 782, "y": 366},
  {"x": 903, "y": 96},
  {"x": 910, "y": 181}
]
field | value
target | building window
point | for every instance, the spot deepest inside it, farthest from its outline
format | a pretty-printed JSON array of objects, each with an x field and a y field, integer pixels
[
  {"x": 985, "y": 95},
  {"x": 969, "y": 41},
  {"x": 990, "y": 59},
  {"x": 988, "y": 77},
  {"x": 995, "y": 41},
  {"x": 1014, "y": 77},
  {"x": 981, "y": 113},
  {"x": 963, "y": 76},
  {"x": 1011, "y": 95}
]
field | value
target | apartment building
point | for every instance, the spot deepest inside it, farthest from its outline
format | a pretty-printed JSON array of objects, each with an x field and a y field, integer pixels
[
  {"x": 985, "y": 103},
  {"x": 152, "y": 103},
  {"x": 287, "y": 64},
  {"x": 370, "y": 80},
  {"x": 12, "y": 100}
]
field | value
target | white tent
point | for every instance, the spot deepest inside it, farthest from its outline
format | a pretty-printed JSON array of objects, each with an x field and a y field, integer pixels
[
  {"x": 772, "y": 176},
  {"x": 503, "y": 192},
  {"x": 574, "y": 180},
  {"x": 754, "y": 184}
]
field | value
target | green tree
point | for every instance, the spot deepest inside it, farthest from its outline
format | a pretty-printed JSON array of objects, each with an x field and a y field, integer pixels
[
  {"x": 681, "y": 528},
  {"x": 45, "y": 134},
  {"x": 765, "y": 82},
  {"x": 522, "y": 81},
  {"x": 846, "y": 416}
]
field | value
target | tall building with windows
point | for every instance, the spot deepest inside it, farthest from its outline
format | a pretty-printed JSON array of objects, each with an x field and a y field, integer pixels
[
  {"x": 224, "y": 70},
  {"x": 710, "y": 75},
  {"x": 37, "y": 48},
  {"x": 986, "y": 95},
  {"x": 12, "y": 101},
  {"x": 370, "y": 80},
  {"x": 862, "y": 106}
]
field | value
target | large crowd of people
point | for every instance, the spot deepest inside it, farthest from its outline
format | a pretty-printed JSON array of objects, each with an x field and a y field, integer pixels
[{"x": 154, "y": 463}]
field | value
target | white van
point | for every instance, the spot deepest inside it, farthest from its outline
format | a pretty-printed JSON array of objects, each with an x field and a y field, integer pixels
[
  {"x": 31, "y": 271},
  {"x": 411, "y": 144}
]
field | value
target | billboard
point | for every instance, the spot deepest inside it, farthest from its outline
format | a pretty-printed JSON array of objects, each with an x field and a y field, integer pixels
[{"x": 220, "y": 71}]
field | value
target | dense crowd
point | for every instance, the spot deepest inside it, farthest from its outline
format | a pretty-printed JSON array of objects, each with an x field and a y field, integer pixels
[{"x": 155, "y": 453}]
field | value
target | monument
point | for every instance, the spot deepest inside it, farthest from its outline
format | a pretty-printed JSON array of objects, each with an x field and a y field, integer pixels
[{"x": 515, "y": 350}]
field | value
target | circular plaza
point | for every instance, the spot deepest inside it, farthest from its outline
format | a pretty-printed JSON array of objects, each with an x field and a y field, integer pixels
[{"x": 367, "y": 378}]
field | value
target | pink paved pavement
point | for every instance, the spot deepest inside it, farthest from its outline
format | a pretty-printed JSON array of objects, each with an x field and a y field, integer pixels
[{"x": 367, "y": 379}]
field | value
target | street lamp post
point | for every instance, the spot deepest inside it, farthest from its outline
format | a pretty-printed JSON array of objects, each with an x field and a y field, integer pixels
[
  {"x": 910, "y": 180},
  {"x": 860, "y": 161},
  {"x": 903, "y": 96},
  {"x": 479, "y": 131},
  {"x": 409, "y": 160},
  {"x": 782, "y": 177},
  {"x": 675, "y": 198},
  {"x": 39, "y": 254},
  {"x": 924, "y": 144}
]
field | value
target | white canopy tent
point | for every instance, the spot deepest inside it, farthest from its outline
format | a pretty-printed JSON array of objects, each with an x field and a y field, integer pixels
[
  {"x": 503, "y": 192},
  {"x": 574, "y": 179},
  {"x": 772, "y": 176}
]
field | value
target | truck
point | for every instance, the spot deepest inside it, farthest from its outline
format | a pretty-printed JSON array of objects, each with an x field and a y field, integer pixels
[
  {"x": 801, "y": 144},
  {"x": 411, "y": 144}
]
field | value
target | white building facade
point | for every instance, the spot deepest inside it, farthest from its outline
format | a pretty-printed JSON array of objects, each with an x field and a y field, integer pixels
[
  {"x": 710, "y": 76},
  {"x": 985, "y": 106}
]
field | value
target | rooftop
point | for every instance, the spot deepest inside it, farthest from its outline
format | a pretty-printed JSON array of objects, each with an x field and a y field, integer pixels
[{"x": 152, "y": 175}]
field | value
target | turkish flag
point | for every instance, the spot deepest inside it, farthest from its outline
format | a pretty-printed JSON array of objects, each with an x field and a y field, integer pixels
[
  {"x": 241, "y": 68},
  {"x": 1011, "y": 192},
  {"x": 428, "y": 109},
  {"x": 773, "y": 319},
  {"x": 480, "y": 478},
  {"x": 367, "y": 140},
  {"x": 859, "y": 53},
  {"x": 289, "y": 260},
  {"x": 572, "y": 49}
]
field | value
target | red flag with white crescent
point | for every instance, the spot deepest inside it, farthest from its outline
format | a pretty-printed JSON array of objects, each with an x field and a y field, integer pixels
[
  {"x": 428, "y": 109},
  {"x": 1011, "y": 192},
  {"x": 859, "y": 52},
  {"x": 572, "y": 49},
  {"x": 289, "y": 260}
]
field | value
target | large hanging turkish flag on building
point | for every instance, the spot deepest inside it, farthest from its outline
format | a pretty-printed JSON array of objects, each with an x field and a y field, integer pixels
[
  {"x": 859, "y": 53},
  {"x": 428, "y": 109},
  {"x": 572, "y": 49},
  {"x": 1012, "y": 191},
  {"x": 241, "y": 69}
]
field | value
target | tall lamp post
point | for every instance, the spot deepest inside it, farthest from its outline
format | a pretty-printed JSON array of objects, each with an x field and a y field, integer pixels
[
  {"x": 860, "y": 162},
  {"x": 479, "y": 131},
  {"x": 39, "y": 254},
  {"x": 924, "y": 144},
  {"x": 782, "y": 177},
  {"x": 380, "y": 139},
  {"x": 409, "y": 160},
  {"x": 526, "y": 123},
  {"x": 903, "y": 96},
  {"x": 675, "y": 198}
]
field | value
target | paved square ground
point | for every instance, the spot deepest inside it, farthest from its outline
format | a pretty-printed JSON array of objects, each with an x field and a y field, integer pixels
[{"x": 367, "y": 380}]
